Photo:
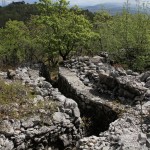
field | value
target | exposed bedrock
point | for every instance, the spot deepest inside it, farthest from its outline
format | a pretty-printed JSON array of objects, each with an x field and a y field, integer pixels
[{"x": 96, "y": 114}]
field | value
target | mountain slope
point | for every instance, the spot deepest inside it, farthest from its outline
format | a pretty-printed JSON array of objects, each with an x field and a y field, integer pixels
[{"x": 113, "y": 8}]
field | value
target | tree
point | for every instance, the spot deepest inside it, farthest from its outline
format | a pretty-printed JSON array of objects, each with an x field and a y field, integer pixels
[
  {"x": 125, "y": 36},
  {"x": 65, "y": 29},
  {"x": 13, "y": 41},
  {"x": 103, "y": 26},
  {"x": 17, "y": 11},
  {"x": 132, "y": 32}
]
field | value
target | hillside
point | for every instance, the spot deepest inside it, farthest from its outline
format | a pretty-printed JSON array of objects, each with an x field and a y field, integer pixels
[{"x": 113, "y": 8}]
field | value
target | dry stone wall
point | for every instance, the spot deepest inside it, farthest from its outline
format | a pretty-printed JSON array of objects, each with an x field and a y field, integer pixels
[
  {"x": 83, "y": 76},
  {"x": 44, "y": 130},
  {"x": 114, "y": 81},
  {"x": 91, "y": 106}
]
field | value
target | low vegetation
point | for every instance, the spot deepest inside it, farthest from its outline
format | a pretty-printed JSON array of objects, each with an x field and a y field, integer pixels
[{"x": 17, "y": 101}]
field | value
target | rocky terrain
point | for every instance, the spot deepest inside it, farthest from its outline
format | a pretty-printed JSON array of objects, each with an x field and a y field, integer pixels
[
  {"x": 100, "y": 107},
  {"x": 129, "y": 94},
  {"x": 47, "y": 128}
]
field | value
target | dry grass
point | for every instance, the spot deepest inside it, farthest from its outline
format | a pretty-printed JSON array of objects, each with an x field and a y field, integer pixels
[{"x": 16, "y": 101}]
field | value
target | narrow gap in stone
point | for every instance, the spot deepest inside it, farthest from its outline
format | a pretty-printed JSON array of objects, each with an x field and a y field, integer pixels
[{"x": 96, "y": 117}]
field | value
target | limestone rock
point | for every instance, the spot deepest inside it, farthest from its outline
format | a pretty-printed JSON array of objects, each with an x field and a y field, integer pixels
[
  {"x": 30, "y": 122},
  {"x": 11, "y": 74},
  {"x": 69, "y": 103},
  {"x": 96, "y": 59},
  {"x": 144, "y": 76},
  {"x": 59, "y": 117},
  {"x": 76, "y": 112},
  {"x": 6, "y": 128}
]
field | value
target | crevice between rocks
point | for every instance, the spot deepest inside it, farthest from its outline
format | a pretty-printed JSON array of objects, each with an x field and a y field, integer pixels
[{"x": 96, "y": 116}]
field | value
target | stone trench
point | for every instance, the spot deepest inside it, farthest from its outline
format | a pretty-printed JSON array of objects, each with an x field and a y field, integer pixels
[
  {"x": 95, "y": 115},
  {"x": 114, "y": 103}
]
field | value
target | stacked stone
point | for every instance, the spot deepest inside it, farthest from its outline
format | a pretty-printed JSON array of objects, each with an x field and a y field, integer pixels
[
  {"x": 127, "y": 86},
  {"x": 129, "y": 131},
  {"x": 115, "y": 81},
  {"x": 122, "y": 134},
  {"x": 45, "y": 129}
]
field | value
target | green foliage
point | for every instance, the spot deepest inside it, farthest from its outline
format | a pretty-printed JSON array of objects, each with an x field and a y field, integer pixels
[
  {"x": 56, "y": 30},
  {"x": 66, "y": 29},
  {"x": 125, "y": 36},
  {"x": 17, "y": 11},
  {"x": 13, "y": 41}
]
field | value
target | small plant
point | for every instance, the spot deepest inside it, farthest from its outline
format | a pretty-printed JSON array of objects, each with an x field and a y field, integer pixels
[{"x": 86, "y": 123}]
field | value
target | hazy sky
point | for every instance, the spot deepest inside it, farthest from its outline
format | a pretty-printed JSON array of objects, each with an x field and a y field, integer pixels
[
  {"x": 79, "y": 2},
  {"x": 94, "y": 2}
]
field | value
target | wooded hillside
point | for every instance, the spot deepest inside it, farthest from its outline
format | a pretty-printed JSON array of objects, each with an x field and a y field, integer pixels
[{"x": 49, "y": 30}]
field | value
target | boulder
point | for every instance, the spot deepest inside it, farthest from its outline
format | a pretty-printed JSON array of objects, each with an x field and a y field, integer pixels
[
  {"x": 144, "y": 76},
  {"x": 59, "y": 117},
  {"x": 30, "y": 122},
  {"x": 11, "y": 74},
  {"x": 97, "y": 59},
  {"x": 69, "y": 103},
  {"x": 147, "y": 84},
  {"x": 6, "y": 128}
]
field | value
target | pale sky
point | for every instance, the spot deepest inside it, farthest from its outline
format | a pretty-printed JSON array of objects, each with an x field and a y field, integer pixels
[
  {"x": 94, "y": 2},
  {"x": 80, "y": 2}
]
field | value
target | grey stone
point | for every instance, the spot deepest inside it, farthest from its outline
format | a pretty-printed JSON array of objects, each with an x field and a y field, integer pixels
[
  {"x": 46, "y": 85},
  {"x": 121, "y": 71},
  {"x": 147, "y": 84},
  {"x": 76, "y": 112},
  {"x": 30, "y": 122},
  {"x": 20, "y": 138},
  {"x": 144, "y": 76},
  {"x": 106, "y": 148},
  {"x": 148, "y": 79},
  {"x": 96, "y": 59},
  {"x": 8, "y": 145},
  {"x": 1, "y": 141},
  {"x": 60, "y": 98},
  {"x": 44, "y": 130},
  {"x": 64, "y": 139},
  {"x": 69, "y": 103},
  {"x": 86, "y": 81},
  {"x": 135, "y": 74},
  {"x": 6, "y": 128},
  {"x": 147, "y": 94},
  {"x": 16, "y": 124},
  {"x": 21, "y": 147},
  {"x": 58, "y": 117},
  {"x": 11, "y": 74},
  {"x": 142, "y": 138},
  {"x": 129, "y": 72},
  {"x": 148, "y": 143},
  {"x": 114, "y": 73}
]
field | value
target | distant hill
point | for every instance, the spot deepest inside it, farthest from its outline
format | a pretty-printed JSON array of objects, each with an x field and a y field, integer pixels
[{"x": 113, "y": 8}]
